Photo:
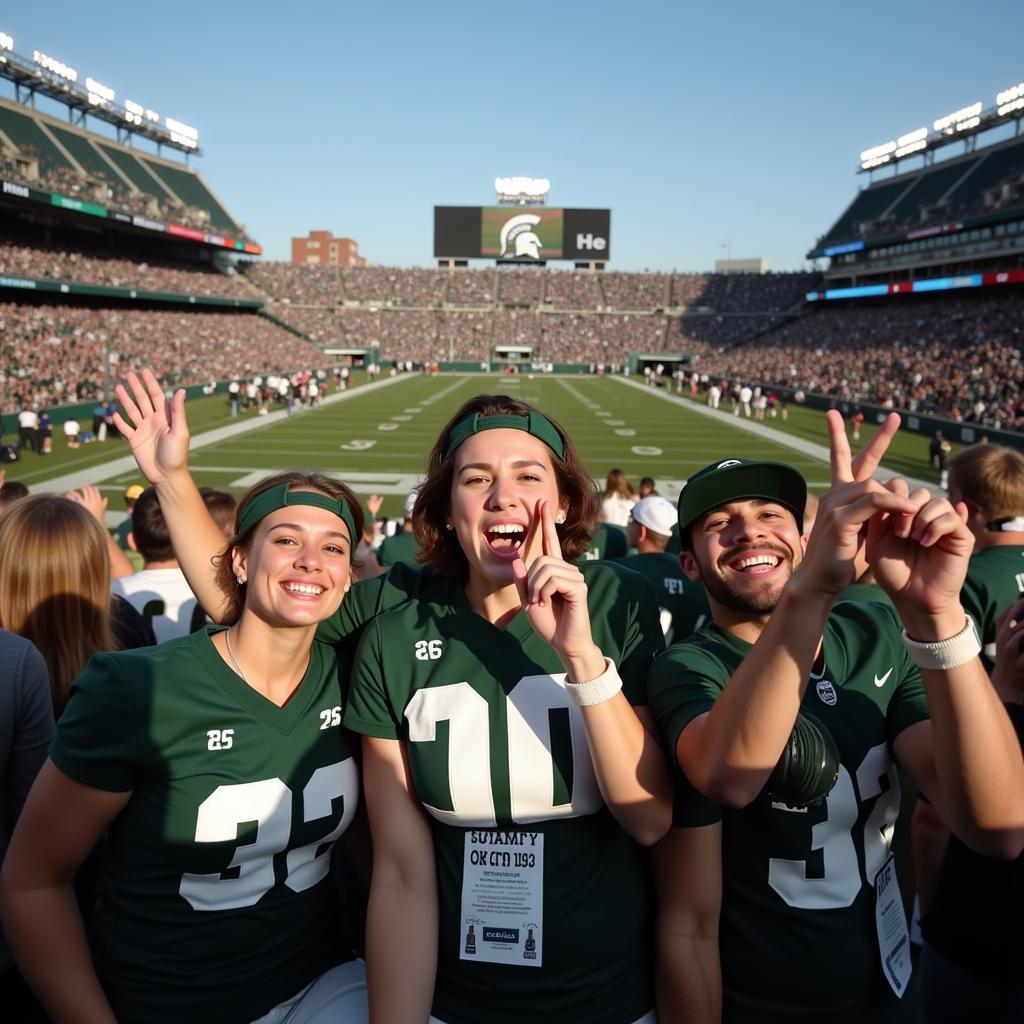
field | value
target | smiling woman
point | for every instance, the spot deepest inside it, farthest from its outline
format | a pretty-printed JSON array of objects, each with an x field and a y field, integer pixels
[
  {"x": 218, "y": 764},
  {"x": 508, "y": 763},
  {"x": 510, "y": 768}
]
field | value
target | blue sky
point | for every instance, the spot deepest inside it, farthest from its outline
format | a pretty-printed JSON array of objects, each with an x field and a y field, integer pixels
[{"x": 707, "y": 128}]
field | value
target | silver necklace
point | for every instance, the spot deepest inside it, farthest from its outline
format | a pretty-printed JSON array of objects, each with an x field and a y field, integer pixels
[{"x": 231, "y": 655}]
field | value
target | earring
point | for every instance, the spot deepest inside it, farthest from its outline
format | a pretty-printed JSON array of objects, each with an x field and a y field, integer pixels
[
  {"x": 240, "y": 580},
  {"x": 560, "y": 518},
  {"x": 448, "y": 526}
]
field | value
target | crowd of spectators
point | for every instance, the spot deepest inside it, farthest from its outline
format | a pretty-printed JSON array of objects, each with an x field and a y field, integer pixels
[
  {"x": 520, "y": 287},
  {"x": 58, "y": 354},
  {"x": 956, "y": 358},
  {"x": 636, "y": 291},
  {"x": 294, "y": 285},
  {"x": 571, "y": 289},
  {"x": 27, "y": 165},
  {"x": 565, "y": 316},
  {"x": 471, "y": 288},
  {"x": 97, "y": 267}
]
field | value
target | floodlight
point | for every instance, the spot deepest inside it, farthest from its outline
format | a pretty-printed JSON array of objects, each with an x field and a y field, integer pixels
[
  {"x": 54, "y": 66},
  {"x": 914, "y": 136},
  {"x": 960, "y": 120},
  {"x": 6, "y": 41},
  {"x": 98, "y": 93},
  {"x": 183, "y": 134},
  {"x": 1010, "y": 99},
  {"x": 875, "y": 151}
]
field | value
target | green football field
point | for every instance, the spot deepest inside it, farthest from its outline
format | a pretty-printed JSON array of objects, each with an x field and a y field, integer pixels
[{"x": 376, "y": 437}]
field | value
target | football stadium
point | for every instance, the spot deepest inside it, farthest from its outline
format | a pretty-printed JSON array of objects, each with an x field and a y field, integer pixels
[{"x": 733, "y": 804}]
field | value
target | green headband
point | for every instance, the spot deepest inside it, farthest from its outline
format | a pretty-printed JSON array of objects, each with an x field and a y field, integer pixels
[
  {"x": 281, "y": 497},
  {"x": 533, "y": 423}
]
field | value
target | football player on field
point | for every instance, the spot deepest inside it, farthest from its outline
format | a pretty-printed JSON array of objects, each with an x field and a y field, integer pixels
[
  {"x": 509, "y": 774},
  {"x": 792, "y": 853},
  {"x": 218, "y": 767}
]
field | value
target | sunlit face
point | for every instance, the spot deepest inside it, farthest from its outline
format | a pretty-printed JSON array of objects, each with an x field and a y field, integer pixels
[
  {"x": 744, "y": 553},
  {"x": 498, "y": 478},
  {"x": 298, "y": 566}
]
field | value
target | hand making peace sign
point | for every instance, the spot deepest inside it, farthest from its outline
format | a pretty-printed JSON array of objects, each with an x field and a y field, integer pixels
[{"x": 835, "y": 551}]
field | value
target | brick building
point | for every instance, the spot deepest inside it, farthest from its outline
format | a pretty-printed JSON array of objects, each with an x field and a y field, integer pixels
[{"x": 321, "y": 247}]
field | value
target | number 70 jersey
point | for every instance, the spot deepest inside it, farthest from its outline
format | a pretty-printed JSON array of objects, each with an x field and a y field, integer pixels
[{"x": 499, "y": 757}]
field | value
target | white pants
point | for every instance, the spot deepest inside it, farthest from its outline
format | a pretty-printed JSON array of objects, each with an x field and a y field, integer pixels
[{"x": 338, "y": 996}]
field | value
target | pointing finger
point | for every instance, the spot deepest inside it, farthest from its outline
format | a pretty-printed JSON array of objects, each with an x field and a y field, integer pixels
[{"x": 552, "y": 545}]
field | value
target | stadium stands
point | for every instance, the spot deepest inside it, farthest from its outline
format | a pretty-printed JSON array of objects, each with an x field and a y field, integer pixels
[
  {"x": 58, "y": 354},
  {"x": 100, "y": 267},
  {"x": 37, "y": 150},
  {"x": 958, "y": 358},
  {"x": 564, "y": 316},
  {"x": 975, "y": 186}
]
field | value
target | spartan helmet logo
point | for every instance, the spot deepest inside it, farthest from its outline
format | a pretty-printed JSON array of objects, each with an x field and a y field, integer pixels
[{"x": 518, "y": 231}]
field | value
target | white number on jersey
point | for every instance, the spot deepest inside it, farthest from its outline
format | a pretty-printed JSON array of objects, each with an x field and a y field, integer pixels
[
  {"x": 330, "y": 717},
  {"x": 530, "y": 765},
  {"x": 269, "y": 803},
  {"x": 428, "y": 650},
  {"x": 841, "y": 879},
  {"x": 220, "y": 739}
]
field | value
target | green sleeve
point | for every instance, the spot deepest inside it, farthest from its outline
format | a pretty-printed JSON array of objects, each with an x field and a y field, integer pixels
[
  {"x": 370, "y": 710},
  {"x": 973, "y": 599},
  {"x": 97, "y": 740},
  {"x": 368, "y": 598},
  {"x": 682, "y": 684},
  {"x": 908, "y": 704}
]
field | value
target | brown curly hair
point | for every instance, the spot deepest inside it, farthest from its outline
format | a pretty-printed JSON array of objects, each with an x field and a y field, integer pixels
[
  {"x": 439, "y": 547},
  {"x": 297, "y": 480}
]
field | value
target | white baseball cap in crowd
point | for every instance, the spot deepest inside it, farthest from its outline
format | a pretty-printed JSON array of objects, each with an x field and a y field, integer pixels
[
  {"x": 410, "y": 502},
  {"x": 656, "y": 513}
]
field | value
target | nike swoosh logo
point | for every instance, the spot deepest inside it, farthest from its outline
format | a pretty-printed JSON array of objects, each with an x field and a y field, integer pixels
[{"x": 881, "y": 680}]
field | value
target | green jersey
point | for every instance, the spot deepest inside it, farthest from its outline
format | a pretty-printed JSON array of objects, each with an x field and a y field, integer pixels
[
  {"x": 214, "y": 902},
  {"x": 995, "y": 579},
  {"x": 609, "y": 541},
  {"x": 797, "y": 935},
  {"x": 545, "y": 909},
  {"x": 369, "y": 598},
  {"x": 400, "y": 548},
  {"x": 682, "y": 602}
]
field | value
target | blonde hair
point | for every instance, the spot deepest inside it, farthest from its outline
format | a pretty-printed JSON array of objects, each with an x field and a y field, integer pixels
[
  {"x": 991, "y": 478},
  {"x": 55, "y": 585}
]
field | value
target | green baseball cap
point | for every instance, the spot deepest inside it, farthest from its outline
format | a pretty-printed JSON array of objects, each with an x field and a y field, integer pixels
[{"x": 736, "y": 479}]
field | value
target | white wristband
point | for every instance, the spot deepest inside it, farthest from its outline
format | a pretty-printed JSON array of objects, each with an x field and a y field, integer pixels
[
  {"x": 595, "y": 691},
  {"x": 956, "y": 650}
]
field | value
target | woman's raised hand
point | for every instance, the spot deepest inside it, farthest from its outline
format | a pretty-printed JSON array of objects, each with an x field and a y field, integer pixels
[{"x": 155, "y": 427}]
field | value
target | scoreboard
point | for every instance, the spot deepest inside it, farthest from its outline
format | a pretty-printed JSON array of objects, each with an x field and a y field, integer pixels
[{"x": 529, "y": 234}]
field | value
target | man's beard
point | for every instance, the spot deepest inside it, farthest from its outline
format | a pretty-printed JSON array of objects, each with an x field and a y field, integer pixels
[{"x": 747, "y": 602}]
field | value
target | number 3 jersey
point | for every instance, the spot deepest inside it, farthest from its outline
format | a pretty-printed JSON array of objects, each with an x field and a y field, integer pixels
[
  {"x": 797, "y": 930},
  {"x": 213, "y": 902},
  {"x": 544, "y": 901}
]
